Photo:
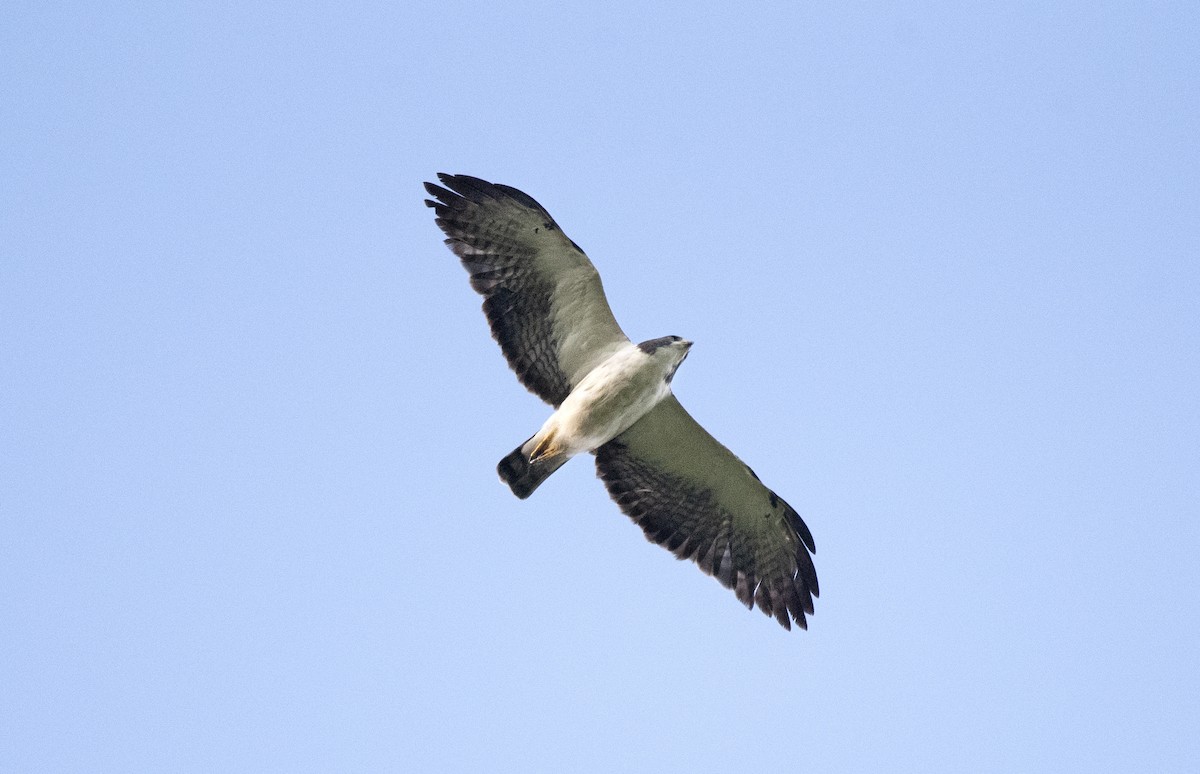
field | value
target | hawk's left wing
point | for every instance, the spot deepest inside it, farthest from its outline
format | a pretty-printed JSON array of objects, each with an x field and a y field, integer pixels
[{"x": 694, "y": 497}]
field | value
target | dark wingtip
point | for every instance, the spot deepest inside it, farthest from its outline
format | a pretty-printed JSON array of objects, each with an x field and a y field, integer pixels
[
  {"x": 476, "y": 189},
  {"x": 798, "y": 524},
  {"x": 473, "y": 188}
]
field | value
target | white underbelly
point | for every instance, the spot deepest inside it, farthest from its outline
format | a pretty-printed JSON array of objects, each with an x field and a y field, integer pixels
[{"x": 608, "y": 401}]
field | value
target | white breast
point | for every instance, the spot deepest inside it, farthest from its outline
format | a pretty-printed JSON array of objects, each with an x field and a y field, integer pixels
[{"x": 613, "y": 396}]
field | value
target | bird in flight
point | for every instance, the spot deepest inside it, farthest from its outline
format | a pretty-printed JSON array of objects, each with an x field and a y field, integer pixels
[{"x": 547, "y": 310}]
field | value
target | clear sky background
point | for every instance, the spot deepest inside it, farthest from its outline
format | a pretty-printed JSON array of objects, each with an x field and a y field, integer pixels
[{"x": 942, "y": 265}]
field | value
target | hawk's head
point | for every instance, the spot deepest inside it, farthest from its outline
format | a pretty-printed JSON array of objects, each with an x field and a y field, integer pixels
[{"x": 667, "y": 352}]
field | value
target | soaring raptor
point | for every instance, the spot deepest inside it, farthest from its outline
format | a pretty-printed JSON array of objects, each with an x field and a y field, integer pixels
[{"x": 691, "y": 495}]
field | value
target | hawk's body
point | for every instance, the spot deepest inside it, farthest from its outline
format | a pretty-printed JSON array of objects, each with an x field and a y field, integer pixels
[
  {"x": 618, "y": 392},
  {"x": 547, "y": 310},
  {"x": 613, "y": 395}
]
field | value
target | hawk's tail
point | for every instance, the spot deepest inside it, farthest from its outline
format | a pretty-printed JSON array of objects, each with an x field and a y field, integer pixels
[{"x": 523, "y": 476}]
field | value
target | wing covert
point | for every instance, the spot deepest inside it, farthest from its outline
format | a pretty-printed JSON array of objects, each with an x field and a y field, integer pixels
[
  {"x": 542, "y": 296},
  {"x": 695, "y": 498}
]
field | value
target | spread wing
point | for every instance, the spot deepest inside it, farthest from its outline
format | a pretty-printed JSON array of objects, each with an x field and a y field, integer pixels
[
  {"x": 542, "y": 296},
  {"x": 693, "y": 497}
]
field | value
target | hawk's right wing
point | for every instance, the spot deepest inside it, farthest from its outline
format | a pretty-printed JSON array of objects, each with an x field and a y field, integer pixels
[
  {"x": 542, "y": 296},
  {"x": 692, "y": 496}
]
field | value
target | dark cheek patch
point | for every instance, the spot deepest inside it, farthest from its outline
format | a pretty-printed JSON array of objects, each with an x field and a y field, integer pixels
[{"x": 651, "y": 346}]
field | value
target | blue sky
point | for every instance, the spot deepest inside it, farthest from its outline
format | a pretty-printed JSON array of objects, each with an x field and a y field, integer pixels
[{"x": 941, "y": 265}]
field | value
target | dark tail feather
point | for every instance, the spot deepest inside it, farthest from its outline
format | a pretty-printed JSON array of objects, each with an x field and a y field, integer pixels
[{"x": 521, "y": 475}]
